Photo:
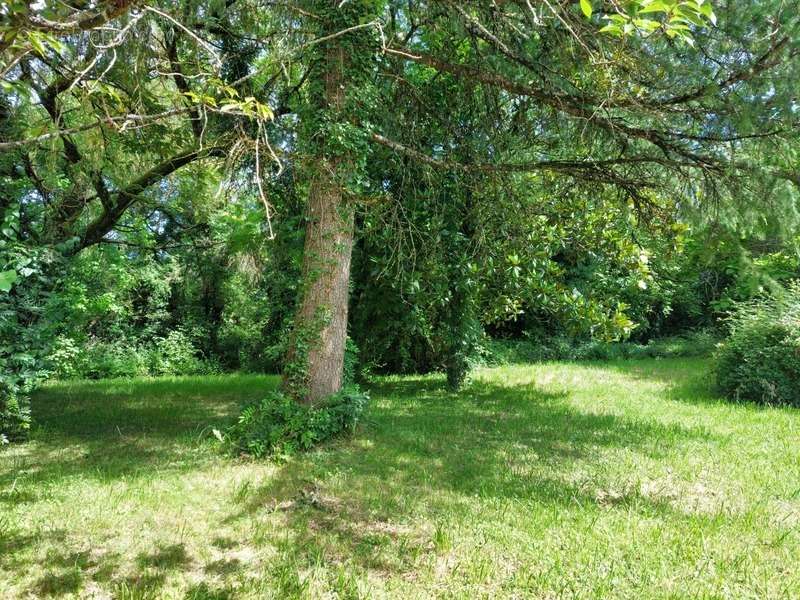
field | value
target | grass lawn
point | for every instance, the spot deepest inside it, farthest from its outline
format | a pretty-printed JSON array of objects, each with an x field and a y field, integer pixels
[{"x": 615, "y": 480}]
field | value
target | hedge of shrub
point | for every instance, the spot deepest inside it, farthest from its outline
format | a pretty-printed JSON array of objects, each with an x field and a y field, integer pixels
[
  {"x": 760, "y": 360},
  {"x": 173, "y": 354}
]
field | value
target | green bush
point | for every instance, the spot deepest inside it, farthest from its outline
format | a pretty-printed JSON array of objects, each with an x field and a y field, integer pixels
[
  {"x": 354, "y": 370},
  {"x": 174, "y": 354},
  {"x": 760, "y": 360},
  {"x": 103, "y": 360},
  {"x": 65, "y": 359},
  {"x": 277, "y": 425}
]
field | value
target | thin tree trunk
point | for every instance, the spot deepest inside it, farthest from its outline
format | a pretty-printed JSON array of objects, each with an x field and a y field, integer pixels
[{"x": 315, "y": 359}]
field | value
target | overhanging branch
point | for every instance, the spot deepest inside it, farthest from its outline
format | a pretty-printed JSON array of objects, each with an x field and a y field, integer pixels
[
  {"x": 590, "y": 169},
  {"x": 123, "y": 120},
  {"x": 125, "y": 197}
]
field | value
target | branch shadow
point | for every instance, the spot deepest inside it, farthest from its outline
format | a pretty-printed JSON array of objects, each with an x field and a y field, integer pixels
[
  {"x": 372, "y": 499},
  {"x": 686, "y": 380},
  {"x": 68, "y": 572},
  {"x": 108, "y": 430},
  {"x": 426, "y": 451}
]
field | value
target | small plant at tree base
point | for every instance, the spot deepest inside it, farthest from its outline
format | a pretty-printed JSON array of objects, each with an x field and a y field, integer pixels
[
  {"x": 760, "y": 360},
  {"x": 278, "y": 425}
]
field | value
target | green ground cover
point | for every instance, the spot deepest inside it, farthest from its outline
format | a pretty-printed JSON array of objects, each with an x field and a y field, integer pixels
[{"x": 626, "y": 479}]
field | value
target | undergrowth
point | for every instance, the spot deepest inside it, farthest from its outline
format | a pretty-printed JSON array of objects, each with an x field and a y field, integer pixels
[{"x": 278, "y": 426}]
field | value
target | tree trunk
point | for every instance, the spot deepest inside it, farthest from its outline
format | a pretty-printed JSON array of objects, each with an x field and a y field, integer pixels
[
  {"x": 313, "y": 367},
  {"x": 326, "y": 275}
]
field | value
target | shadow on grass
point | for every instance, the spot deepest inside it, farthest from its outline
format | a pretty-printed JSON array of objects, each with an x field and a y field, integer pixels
[
  {"x": 12, "y": 542},
  {"x": 687, "y": 380},
  {"x": 106, "y": 430},
  {"x": 426, "y": 451},
  {"x": 159, "y": 407},
  {"x": 67, "y": 572}
]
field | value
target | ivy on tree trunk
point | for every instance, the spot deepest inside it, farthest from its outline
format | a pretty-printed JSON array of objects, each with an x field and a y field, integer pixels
[{"x": 315, "y": 359}]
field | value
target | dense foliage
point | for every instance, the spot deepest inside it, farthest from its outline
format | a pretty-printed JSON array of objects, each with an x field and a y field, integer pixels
[
  {"x": 24, "y": 335},
  {"x": 761, "y": 359},
  {"x": 123, "y": 313}
]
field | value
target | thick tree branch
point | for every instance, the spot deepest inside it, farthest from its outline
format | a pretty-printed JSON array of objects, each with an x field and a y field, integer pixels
[
  {"x": 771, "y": 58},
  {"x": 561, "y": 103},
  {"x": 768, "y": 60},
  {"x": 125, "y": 197},
  {"x": 84, "y": 21},
  {"x": 183, "y": 84}
]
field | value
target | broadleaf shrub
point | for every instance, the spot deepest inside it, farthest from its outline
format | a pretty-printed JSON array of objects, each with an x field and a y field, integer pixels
[
  {"x": 173, "y": 354},
  {"x": 354, "y": 370},
  {"x": 277, "y": 425},
  {"x": 760, "y": 360},
  {"x": 24, "y": 336}
]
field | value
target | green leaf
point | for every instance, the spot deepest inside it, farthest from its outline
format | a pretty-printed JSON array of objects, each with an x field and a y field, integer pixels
[
  {"x": 586, "y": 7},
  {"x": 7, "y": 280},
  {"x": 36, "y": 42},
  {"x": 709, "y": 13},
  {"x": 656, "y": 6}
]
